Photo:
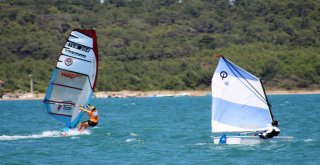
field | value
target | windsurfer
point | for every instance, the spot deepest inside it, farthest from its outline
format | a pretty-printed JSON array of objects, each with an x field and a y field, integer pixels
[
  {"x": 93, "y": 115},
  {"x": 272, "y": 131}
]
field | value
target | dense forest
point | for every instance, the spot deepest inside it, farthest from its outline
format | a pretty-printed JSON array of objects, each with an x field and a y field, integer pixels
[{"x": 164, "y": 44}]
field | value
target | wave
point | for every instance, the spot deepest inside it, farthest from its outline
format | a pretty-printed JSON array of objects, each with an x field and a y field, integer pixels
[
  {"x": 46, "y": 134},
  {"x": 132, "y": 140}
]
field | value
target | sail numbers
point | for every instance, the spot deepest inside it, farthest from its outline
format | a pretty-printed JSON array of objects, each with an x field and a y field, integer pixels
[{"x": 79, "y": 47}]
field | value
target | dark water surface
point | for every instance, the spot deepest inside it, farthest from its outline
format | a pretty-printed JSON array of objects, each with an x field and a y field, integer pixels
[{"x": 167, "y": 130}]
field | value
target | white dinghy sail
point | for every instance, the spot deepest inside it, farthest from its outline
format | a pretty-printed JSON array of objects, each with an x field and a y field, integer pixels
[
  {"x": 239, "y": 102},
  {"x": 74, "y": 78}
]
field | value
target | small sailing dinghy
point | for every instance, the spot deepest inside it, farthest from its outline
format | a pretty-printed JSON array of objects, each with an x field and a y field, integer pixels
[
  {"x": 240, "y": 107},
  {"x": 74, "y": 78}
]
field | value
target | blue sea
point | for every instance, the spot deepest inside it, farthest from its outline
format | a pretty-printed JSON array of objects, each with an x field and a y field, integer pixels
[{"x": 165, "y": 130}]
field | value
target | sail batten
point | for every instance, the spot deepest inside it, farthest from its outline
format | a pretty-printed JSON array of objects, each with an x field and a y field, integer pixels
[
  {"x": 76, "y": 58},
  {"x": 57, "y": 101},
  {"x": 239, "y": 103},
  {"x": 66, "y": 86},
  {"x": 60, "y": 114},
  {"x": 74, "y": 78}
]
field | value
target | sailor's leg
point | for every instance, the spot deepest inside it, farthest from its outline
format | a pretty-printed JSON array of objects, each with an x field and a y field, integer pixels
[
  {"x": 262, "y": 136},
  {"x": 79, "y": 126},
  {"x": 82, "y": 126}
]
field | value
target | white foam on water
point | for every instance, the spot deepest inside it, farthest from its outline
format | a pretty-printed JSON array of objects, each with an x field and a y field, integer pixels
[
  {"x": 132, "y": 140},
  {"x": 133, "y": 134},
  {"x": 34, "y": 136},
  {"x": 308, "y": 140},
  {"x": 75, "y": 132},
  {"x": 46, "y": 134},
  {"x": 200, "y": 144},
  {"x": 75, "y": 137}
]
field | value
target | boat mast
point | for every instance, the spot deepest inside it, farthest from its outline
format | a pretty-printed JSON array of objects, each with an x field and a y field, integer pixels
[{"x": 269, "y": 105}]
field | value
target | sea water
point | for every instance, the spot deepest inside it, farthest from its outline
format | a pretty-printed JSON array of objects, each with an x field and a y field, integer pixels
[{"x": 166, "y": 130}]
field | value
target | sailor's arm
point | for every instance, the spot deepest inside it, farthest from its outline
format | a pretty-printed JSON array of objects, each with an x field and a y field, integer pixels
[
  {"x": 269, "y": 130},
  {"x": 277, "y": 129},
  {"x": 82, "y": 109}
]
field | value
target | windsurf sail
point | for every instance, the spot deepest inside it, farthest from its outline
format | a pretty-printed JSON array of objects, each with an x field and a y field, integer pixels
[
  {"x": 239, "y": 102},
  {"x": 74, "y": 78}
]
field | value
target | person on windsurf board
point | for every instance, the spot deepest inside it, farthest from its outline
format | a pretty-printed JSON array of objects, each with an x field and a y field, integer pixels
[{"x": 93, "y": 117}]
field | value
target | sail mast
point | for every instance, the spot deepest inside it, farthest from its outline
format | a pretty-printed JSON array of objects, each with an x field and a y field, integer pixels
[{"x": 269, "y": 105}]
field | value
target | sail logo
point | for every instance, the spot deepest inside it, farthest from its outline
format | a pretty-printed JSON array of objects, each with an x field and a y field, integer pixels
[
  {"x": 75, "y": 53},
  {"x": 59, "y": 107},
  {"x": 70, "y": 75},
  {"x": 79, "y": 47},
  {"x": 68, "y": 61},
  {"x": 64, "y": 107},
  {"x": 223, "y": 74},
  {"x": 67, "y": 107}
]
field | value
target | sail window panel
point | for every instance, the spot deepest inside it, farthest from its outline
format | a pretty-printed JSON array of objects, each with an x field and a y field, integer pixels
[
  {"x": 62, "y": 119},
  {"x": 70, "y": 79},
  {"x": 64, "y": 94},
  {"x": 85, "y": 94},
  {"x": 76, "y": 115},
  {"x": 68, "y": 95},
  {"x": 67, "y": 86}
]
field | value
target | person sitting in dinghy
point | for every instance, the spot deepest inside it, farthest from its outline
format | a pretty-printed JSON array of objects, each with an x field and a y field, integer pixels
[
  {"x": 272, "y": 131},
  {"x": 93, "y": 115}
]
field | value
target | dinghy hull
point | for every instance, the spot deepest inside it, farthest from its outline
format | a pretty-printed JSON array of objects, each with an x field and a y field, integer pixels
[{"x": 249, "y": 140}]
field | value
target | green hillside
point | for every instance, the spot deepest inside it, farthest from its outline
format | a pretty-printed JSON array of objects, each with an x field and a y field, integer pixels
[{"x": 164, "y": 44}]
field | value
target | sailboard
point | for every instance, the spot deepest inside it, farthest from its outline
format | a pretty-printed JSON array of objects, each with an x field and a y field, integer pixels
[
  {"x": 74, "y": 78},
  {"x": 239, "y": 105}
]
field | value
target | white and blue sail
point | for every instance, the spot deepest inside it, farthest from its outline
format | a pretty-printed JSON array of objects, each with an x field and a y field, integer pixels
[
  {"x": 239, "y": 103},
  {"x": 74, "y": 78}
]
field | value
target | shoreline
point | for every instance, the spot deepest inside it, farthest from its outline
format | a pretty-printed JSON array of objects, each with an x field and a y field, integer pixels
[{"x": 160, "y": 93}]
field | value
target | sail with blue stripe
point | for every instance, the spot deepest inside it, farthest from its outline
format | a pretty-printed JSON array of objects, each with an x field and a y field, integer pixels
[
  {"x": 239, "y": 103},
  {"x": 74, "y": 78}
]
